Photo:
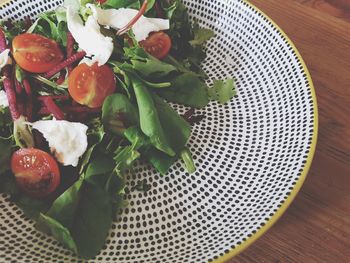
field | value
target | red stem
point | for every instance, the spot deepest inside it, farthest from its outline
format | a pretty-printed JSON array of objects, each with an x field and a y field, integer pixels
[
  {"x": 53, "y": 109},
  {"x": 11, "y": 96},
  {"x": 69, "y": 61},
  {"x": 70, "y": 49},
  {"x": 54, "y": 97},
  {"x": 159, "y": 9},
  {"x": 18, "y": 86},
  {"x": 29, "y": 102},
  {"x": 71, "y": 109},
  {"x": 129, "y": 25},
  {"x": 3, "y": 44},
  {"x": 61, "y": 78}
]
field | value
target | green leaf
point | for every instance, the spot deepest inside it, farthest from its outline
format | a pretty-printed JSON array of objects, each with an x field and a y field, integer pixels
[
  {"x": 149, "y": 119},
  {"x": 22, "y": 133},
  {"x": 93, "y": 221},
  {"x": 188, "y": 160},
  {"x": 57, "y": 230},
  {"x": 176, "y": 129},
  {"x": 32, "y": 207},
  {"x": 222, "y": 91},
  {"x": 6, "y": 145},
  {"x": 64, "y": 208},
  {"x": 201, "y": 35},
  {"x": 118, "y": 113},
  {"x": 8, "y": 183},
  {"x": 146, "y": 64},
  {"x": 187, "y": 89},
  {"x": 135, "y": 4}
]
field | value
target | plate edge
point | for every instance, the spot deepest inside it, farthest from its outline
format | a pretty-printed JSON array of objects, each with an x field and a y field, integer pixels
[{"x": 240, "y": 248}]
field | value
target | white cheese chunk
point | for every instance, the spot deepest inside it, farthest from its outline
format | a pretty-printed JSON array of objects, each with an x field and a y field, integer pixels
[
  {"x": 67, "y": 140},
  {"x": 5, "y": 58},
  {"x": 89, "y": 37},
  {"x": 118, "y": 18},
  {"x": 4, "y": 103}
]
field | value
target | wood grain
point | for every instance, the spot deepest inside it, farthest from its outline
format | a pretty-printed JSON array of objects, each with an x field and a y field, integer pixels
[{"x": 316, "y": 228}]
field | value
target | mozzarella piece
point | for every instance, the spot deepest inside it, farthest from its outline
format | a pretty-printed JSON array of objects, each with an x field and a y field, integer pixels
[
  {"x": 4, "y": 103},
  {"x": 118, "y": 18},
  {"x": 5, "y": 58},
  {"x": 67, "y": 140},
  {"x": 89, "y": 37}
]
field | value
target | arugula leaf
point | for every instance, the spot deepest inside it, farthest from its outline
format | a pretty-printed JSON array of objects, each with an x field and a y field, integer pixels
[
  {"x": 222, "y": 91},
  {"x": 118, "y": 113},
  {"x": 187, "y": 89},
  {"x": 146, "y": 64},
  {"x": 135, "y": 4},
  {"x": 201, "y": 35},
  {"x": 6, "y": 145}
]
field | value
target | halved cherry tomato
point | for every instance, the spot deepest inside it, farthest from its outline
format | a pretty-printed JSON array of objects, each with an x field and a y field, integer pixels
[
  {"x": 36, "y": 53},
  {"x": 157, "y": 44},
  {"x": 90, "y": 85},
  {"x": 36, "y": 172}
]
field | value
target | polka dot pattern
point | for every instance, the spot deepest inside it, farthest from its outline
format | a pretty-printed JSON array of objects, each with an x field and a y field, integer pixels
[{"x": 250, "y": 153}]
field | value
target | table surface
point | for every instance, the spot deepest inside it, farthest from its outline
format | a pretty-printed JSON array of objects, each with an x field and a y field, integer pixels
[{"x": 316, "y": 228}]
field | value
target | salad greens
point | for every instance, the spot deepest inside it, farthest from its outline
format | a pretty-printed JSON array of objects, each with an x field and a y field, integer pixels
[{"x": 137, "y": 122}]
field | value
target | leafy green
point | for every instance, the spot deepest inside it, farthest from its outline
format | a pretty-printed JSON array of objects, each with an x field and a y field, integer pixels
[
  {"x": 135, "y": 4},
  {"x": 149, "y": 119},
  {"x": 22, "y": 133},
  {"x": 222, "y": 91},
  {"x": 201, "y": 35},
  {"x": 8, "y": 183},
  {"x": 187, "y": 89},
  {"x": 57, "y": 230},
  {"x": 118, "y": 113},
  {"x": 32, "y": 207},
  {"x": 186, "y": 156},
  {"x": 52, "y": 25},
  {"x": 6, "y": 145},
  {"x": 146, "y": 64}
]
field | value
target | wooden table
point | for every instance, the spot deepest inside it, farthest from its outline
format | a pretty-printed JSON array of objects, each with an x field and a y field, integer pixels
[{"x": 316, "y": 228}]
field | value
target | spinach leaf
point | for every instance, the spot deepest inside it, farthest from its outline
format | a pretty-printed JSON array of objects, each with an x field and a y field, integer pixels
[
  {"x": 31, "y": 207},
  {"x": 186, "y": 156},
  {"x": 8, "y": 183},
  {"x": 222, "y": 91},
  {"x": 118, "y": 113},
  {"x": 149, "y": 119},
  {"x": 51, "y": 226},
  {"x": 177, "y": 130},
  {"x": 187, "y": 89},
  {"x": 6, "y": 145}
]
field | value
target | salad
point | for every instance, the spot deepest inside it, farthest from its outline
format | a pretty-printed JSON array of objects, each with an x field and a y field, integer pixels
[{"x": 84, "y": 94}]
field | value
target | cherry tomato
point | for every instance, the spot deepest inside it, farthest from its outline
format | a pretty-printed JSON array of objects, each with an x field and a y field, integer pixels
[
  {"x": 157, "y": 44},
  {"x": 90, "y": 85},
  {"x": 36, "y": 53},
  {"x": 101, "y": 1},
  {"x": 36, "y": 172}
]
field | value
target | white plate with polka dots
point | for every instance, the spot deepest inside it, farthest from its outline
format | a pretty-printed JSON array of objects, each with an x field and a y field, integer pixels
[{"x": 253, "y": 154}]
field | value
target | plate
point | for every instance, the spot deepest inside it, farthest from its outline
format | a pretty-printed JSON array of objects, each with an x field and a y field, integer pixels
[{"x": 253, "y": 154}]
